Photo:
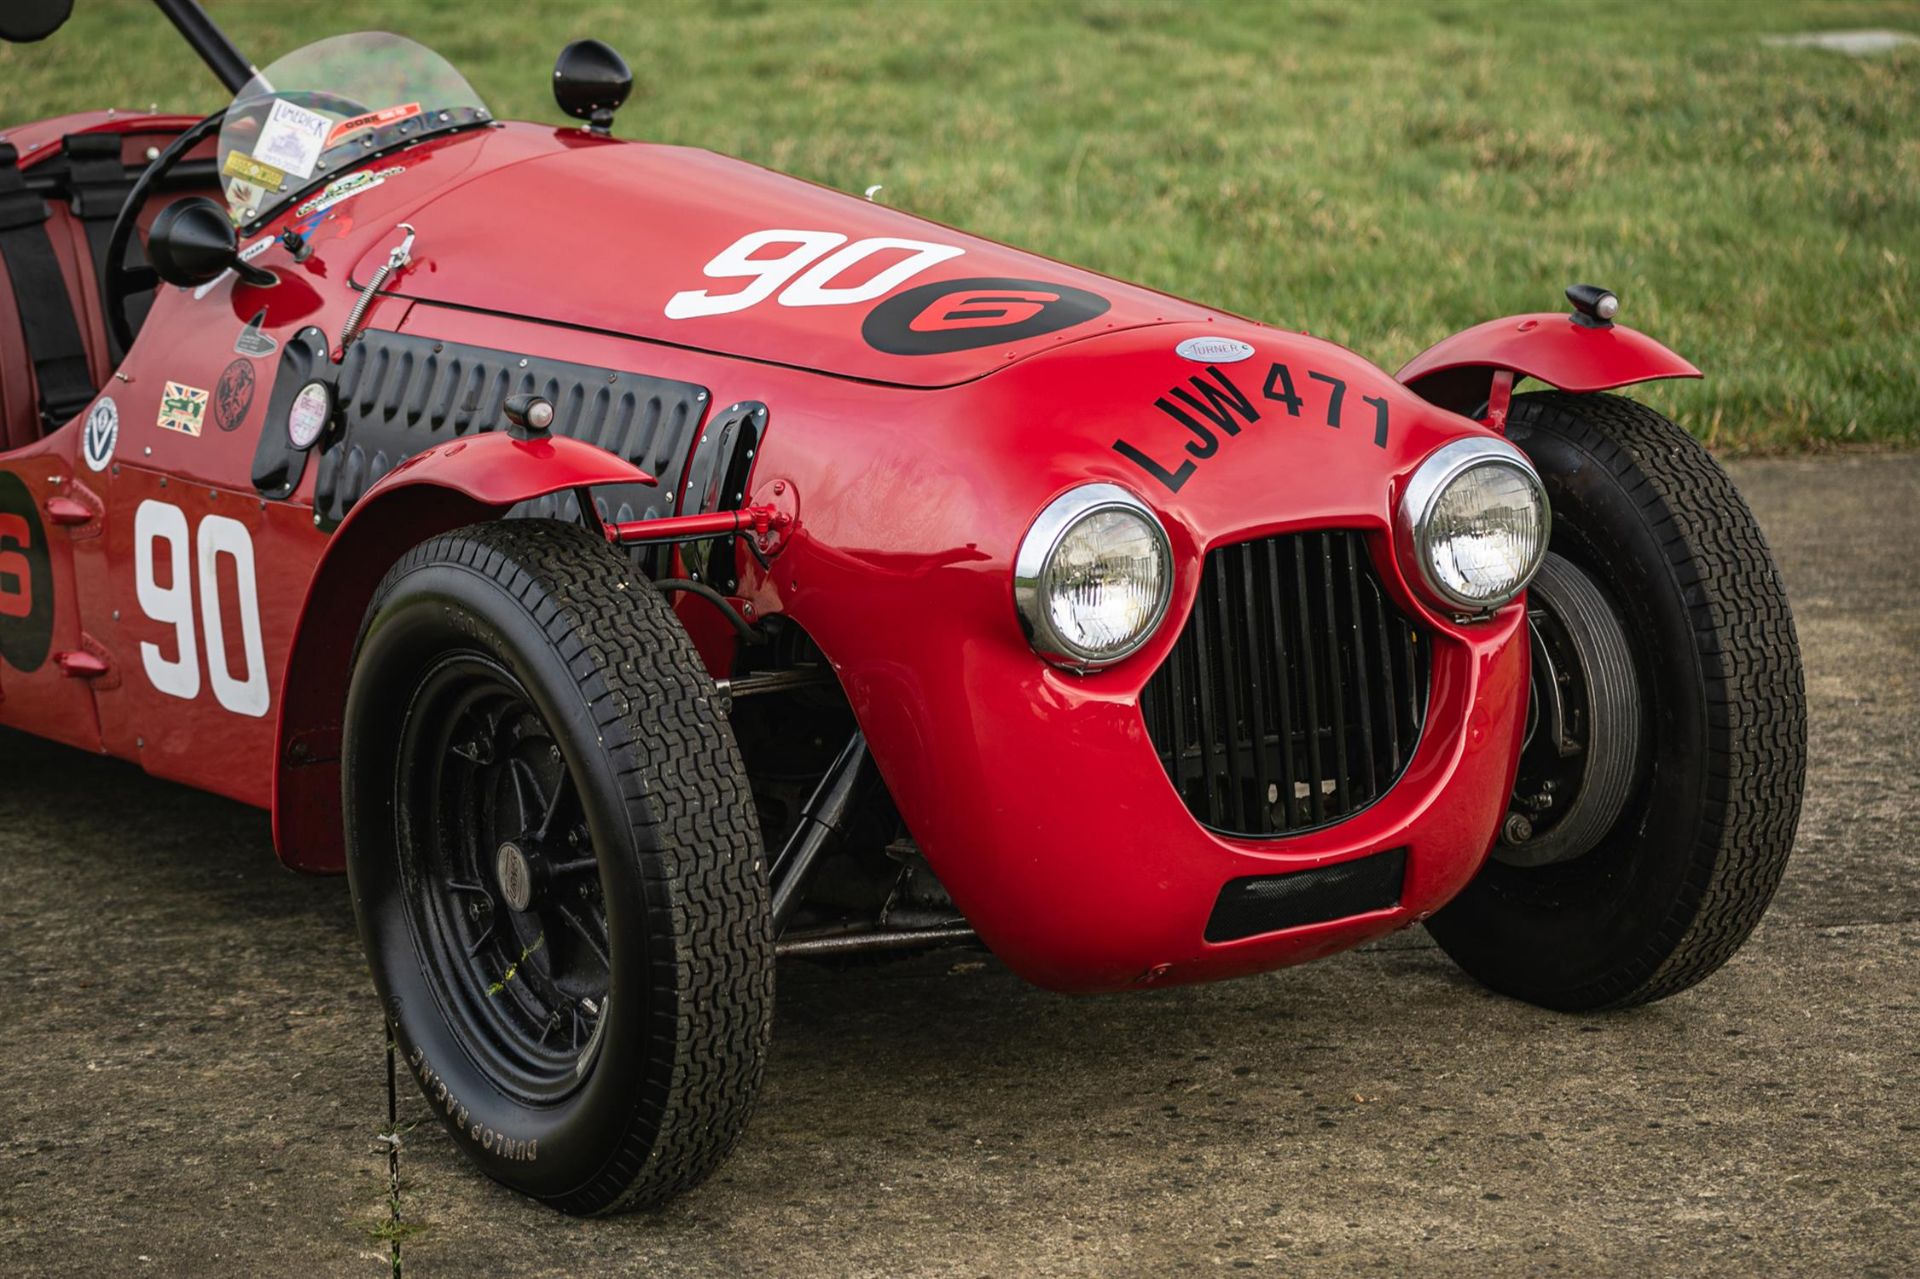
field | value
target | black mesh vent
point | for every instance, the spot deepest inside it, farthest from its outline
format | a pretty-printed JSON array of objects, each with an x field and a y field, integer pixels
[
  {"x": 1295, "y": 696},
  {"x": 1267, "y": 903}
]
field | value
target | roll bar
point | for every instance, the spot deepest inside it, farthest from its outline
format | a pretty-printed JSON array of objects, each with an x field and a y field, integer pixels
[{"x": 220, "y": 54}]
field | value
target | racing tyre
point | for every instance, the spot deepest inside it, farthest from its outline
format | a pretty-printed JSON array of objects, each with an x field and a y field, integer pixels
[
  {"x": 556, "y": 866},
  {"x": 1660, "y": 782}
]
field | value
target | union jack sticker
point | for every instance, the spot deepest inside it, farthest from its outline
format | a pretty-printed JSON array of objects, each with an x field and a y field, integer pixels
[{"x": 182, "y": 408}]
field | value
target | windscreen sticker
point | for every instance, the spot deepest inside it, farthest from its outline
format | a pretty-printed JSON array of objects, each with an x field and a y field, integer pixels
[
  {"x": 372, "y": 120},
  {"x": 102, "y": 432},
  {"x": 292, "y": 139},
  {"x": 346, "y": 188},
  {"x": 244, "y": 198},
  {"x": 26, "y": 579},
  {"x": 241, "y": 165},
  {"x": 182, "y": 408}
]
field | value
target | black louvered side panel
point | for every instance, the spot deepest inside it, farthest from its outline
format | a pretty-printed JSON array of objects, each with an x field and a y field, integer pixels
[
  {"x": 1297, "y": 692},
  {"x": 400, "y": 394}
]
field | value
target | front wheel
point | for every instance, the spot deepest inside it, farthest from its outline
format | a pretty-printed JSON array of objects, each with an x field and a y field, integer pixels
[
  {"x": 556, "y": 866},
  {"x": 1661, "y": 780}
]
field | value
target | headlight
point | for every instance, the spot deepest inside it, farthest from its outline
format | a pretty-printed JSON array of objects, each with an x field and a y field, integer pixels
[
  {"x": 1093, "y": 577},
  {"x": 1474, "y": 521}
]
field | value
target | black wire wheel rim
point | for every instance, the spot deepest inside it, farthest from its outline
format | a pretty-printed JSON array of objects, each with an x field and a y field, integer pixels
[{"x": 504, "y": 900}]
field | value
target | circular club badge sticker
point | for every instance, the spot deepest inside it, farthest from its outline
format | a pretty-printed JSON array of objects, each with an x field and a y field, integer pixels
[
  {"x": 102, "y": 432},
  {"x": 307, "y": 418}
]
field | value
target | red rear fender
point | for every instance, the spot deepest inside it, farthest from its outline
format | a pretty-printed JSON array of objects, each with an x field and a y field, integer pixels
[{"x": 464, "y": 482}]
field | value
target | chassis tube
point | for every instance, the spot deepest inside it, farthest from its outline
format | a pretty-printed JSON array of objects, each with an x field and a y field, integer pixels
[
  {"x": 210, "y": 42},
  {"x": 819, "y": 821}
]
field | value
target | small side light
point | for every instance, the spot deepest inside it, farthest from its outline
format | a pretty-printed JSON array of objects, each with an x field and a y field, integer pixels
[{"x": 1593, "y": 306}]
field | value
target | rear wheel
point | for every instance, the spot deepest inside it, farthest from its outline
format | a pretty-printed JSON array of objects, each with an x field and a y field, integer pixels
[
  {"x": 1660, "y": 784},
  {"x": 556, "y": 866}
]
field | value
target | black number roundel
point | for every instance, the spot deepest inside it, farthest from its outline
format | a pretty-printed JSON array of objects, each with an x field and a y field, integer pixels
[
  {"x": 961, "y": 315},
  {"x": 26, "y": 579}
]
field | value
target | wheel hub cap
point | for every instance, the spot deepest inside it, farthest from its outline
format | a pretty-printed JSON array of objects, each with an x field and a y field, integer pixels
[{"x": 514, "y": 869}]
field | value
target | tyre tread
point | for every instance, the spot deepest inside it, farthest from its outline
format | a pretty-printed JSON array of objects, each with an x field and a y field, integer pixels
[
  {"x": 1756, "y": 757},
  {"x": 686, "y": 795}
]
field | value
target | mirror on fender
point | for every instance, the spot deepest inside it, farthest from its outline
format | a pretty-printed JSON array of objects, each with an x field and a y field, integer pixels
[
  {"x": 590, "y": 81},
  {"x": 193, "y": 241}
]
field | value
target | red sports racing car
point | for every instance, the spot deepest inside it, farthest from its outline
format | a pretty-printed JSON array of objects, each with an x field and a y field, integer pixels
[{"x": 629, "y": 565}]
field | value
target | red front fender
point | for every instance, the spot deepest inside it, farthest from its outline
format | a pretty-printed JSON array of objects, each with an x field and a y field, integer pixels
[
  {"x": 464, "y": 482},
  {"x": 1550, "y": 346}
]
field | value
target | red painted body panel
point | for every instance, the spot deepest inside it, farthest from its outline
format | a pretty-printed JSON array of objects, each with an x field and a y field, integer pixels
[
  {"x": 37, "y": 142},
  {"x": 1555, "y": 349},
  {"x": 1035, "y": 794},
  {"x": 698, "y": 203}
]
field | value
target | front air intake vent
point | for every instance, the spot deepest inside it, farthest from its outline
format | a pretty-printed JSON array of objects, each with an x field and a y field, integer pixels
[
  {"x": 1268, "y": 903},
  {"x": 1296, "y": 694}
]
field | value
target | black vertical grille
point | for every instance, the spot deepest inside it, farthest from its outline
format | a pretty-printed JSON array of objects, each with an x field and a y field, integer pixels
[{"x": 1295, "y": 696}]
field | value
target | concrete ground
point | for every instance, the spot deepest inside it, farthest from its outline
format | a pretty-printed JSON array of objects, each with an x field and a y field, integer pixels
[{"x": 192, "y": 1075}]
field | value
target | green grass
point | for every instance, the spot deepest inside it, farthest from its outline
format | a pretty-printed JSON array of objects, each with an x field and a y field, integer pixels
[{"x": 1379, "y": 173}]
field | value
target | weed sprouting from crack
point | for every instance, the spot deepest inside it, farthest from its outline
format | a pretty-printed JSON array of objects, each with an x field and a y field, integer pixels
[{"x": 396, "y": 1228}]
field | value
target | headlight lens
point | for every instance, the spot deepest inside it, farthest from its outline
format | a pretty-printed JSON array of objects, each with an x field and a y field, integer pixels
[
  {"x": 1093, "y": 577},
  {"x": 1475, "y": 521}
]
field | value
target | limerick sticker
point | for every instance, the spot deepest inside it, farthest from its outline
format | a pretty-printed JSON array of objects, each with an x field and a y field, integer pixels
[
  {"x": 182, "y": 408},
  {"x": 372, "y": 120},
  {"x": 346, "y": 188},
  {"x": 1214, "y": 351},
  {"x": 233, "y": 396},
  {"x": 252, "y": 341},
  {"x": 241, "y": 165},
  {"x": 292, "y": 139},
  {"x": 101, "y": 433}
]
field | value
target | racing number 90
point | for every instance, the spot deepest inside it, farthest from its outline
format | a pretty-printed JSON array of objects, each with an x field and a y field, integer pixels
[
  {"x": 816, "y": 287},
  {"x": 173, "y": 605}
]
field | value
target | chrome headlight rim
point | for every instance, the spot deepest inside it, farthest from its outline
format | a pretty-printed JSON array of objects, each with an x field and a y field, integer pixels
[
  {"x": 1431, "y": 479},
  {"x": 1044, "y": 536}
]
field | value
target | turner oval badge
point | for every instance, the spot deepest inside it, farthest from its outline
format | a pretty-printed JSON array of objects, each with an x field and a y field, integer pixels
[{"x": 1213, "y": 350}]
